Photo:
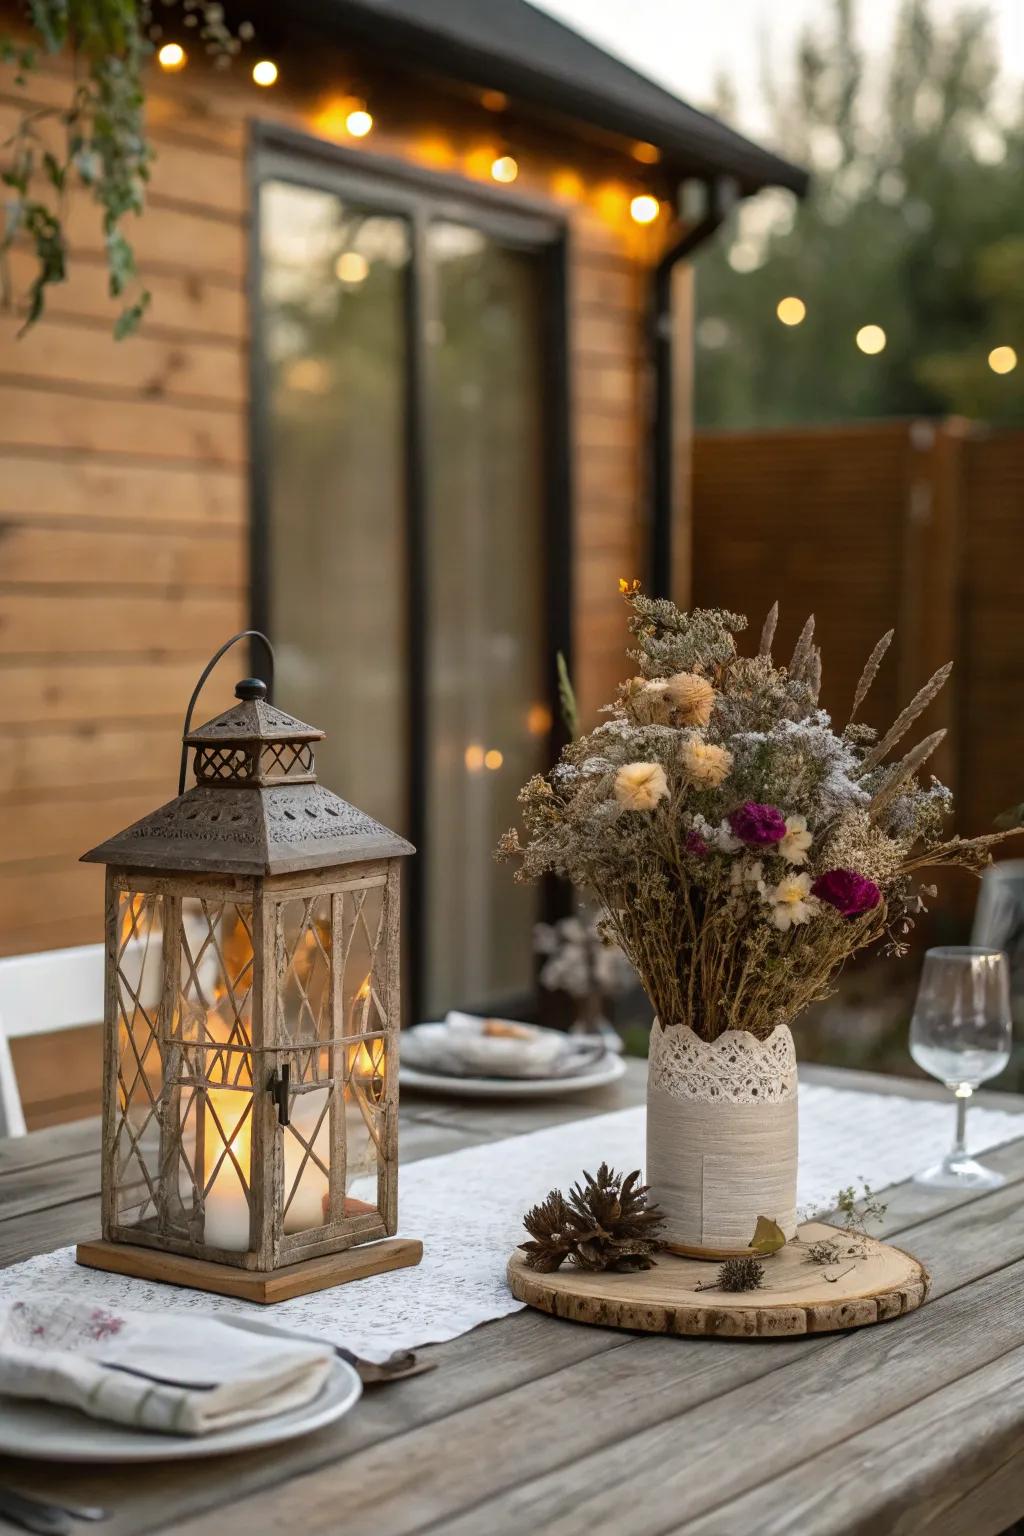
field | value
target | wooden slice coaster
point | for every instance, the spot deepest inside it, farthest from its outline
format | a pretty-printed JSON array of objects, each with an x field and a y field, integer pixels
[{"x": 796, "y": 1297}]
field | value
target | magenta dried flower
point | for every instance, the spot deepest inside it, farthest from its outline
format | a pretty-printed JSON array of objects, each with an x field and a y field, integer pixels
[
  {"x": 850, "y": 893},
  {"x": 757, "y": 825},
  {"x": 696, "y": 844}
]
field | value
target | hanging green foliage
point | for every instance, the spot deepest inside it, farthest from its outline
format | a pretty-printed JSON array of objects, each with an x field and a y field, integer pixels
[{"x": 101, "y": 143}]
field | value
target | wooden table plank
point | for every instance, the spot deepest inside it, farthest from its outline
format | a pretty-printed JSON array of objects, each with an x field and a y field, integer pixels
[
  {"x": 482, "y": 1433},
  {"x": 950, "y": 1465},
  {"x": 533, "y": 1456}
]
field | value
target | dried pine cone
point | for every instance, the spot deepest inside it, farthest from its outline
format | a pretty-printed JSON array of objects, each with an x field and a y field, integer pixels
[
  {"x": 606, "y": 1223},
  {"x": 741, "y": 1275}
]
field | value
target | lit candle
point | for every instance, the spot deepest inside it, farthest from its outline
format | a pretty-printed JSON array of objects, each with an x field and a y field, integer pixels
[
  {"x": 308, "y": 1205},
  {"x": 226, "y": 1223}
]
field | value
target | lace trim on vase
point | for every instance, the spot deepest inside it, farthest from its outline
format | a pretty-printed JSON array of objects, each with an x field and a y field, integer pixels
[{"x": 736, "y": 1068}]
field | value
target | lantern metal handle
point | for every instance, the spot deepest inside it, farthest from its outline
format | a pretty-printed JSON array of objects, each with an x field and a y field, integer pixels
[{"x": 243, "y": 634}]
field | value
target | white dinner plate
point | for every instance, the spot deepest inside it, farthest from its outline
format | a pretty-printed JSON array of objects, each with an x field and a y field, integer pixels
[
  {"x": 608, "y": 1070},
  {"x": 51, "y": 1432}
]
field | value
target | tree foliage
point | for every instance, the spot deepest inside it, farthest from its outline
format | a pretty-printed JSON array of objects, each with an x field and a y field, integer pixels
[{"x": 915, "y": 222}]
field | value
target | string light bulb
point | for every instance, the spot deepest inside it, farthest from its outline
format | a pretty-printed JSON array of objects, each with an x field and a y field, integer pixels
[
  {"x": 644, "y": 208},
  {"x": 351, "y": 267},
  {"x": 265, "y": 72},
  {"x": 474, "y": 757},
  {"x": 493, "y": 759},
  {"x": 791, "y": 310},
  {"x": 358, "y": 123},
  {"x": 493, "y": 101},
  {"x": 504, "y": 169},
  {"x": 1002, "y": 359},
  {"x": 871, "y": 339},
  {"x": 171, "y": 57}
]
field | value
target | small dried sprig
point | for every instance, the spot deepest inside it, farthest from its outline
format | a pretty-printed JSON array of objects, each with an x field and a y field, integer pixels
[
  {"x": 905, "y": 719},
  {"x": 825, "y": 1251},
  {"x": 606, "y": 1223},
  {"x": 768, "y": 630},
  {"x": 858, "y": 1211},
  {"x": 567, "y": 699},
  {"x": 869, "y": 673}
]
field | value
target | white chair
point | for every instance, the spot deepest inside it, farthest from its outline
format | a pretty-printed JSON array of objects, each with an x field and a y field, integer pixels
[{"x": 39, "y": 994}]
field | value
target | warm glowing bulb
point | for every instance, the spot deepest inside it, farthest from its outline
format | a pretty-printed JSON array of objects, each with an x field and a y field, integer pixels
[
  {"x": 647, "y": 154},
  {"x": 172, "y": 56},
  {"x": 538, "y": 719},
  {"x": 493, "y": 101},
  {"x": 871, "y": 339},
  {"x": 1002, "y": 359},
  {"x": 359, "y": 123},
  {"x": 493, "y": 759},
  {"x": 504, "y": 169},
  {"x": 351, "y": 267},
  {"x": 474, "y": 758},
  {"x": 264, "y": 72},
  {"x": 791, "y": 310},
  {"x": 644, "y": 209}
]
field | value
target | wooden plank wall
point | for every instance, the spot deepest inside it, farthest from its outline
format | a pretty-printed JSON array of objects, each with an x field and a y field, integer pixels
[
  {"x": 912, "y": 525},
  {"x": 123, "y": 478},
  {"x": 991, "y": 717}
]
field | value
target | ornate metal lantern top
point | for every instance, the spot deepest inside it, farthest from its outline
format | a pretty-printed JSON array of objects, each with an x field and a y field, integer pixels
[{"x": 256, "y": 807}]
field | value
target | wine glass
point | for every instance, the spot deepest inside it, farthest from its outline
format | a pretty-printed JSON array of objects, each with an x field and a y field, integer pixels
[{"x": 962, "y": 1033}]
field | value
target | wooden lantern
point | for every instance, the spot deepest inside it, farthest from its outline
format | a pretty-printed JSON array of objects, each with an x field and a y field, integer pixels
[{"x": 250, "y": 1114}]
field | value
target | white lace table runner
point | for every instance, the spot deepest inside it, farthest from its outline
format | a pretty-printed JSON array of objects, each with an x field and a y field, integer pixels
[{"x": 467, "y": 1206}]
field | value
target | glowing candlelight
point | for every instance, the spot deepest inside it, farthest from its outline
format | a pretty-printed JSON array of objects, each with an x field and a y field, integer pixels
[{"x": 226, "y": 1221}]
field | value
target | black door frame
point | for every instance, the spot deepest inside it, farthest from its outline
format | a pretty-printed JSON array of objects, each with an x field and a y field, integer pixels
[{"x": 392, "y": 186}]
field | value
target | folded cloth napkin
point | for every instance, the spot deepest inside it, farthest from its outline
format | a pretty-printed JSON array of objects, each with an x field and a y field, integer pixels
[
  {"x": 467, "y": 1046},
  {"x": 171, "y": 1372}
]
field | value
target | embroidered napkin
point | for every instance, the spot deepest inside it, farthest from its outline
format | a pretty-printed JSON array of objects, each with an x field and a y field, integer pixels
[{"x": 167, "y": 1371}]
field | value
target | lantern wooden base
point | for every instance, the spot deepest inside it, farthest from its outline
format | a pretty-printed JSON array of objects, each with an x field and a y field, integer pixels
[{"x": 248, "y": 1284}]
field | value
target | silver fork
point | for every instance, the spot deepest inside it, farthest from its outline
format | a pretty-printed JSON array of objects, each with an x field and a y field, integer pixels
[{"x": 44, "y": 1516}]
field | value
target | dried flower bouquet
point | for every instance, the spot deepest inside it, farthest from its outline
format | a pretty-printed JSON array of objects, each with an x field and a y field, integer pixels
[{"x": 741, "y": 847}]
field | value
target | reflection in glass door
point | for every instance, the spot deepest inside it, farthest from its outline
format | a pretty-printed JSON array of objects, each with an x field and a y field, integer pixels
[{"x": 408, "y": 558}]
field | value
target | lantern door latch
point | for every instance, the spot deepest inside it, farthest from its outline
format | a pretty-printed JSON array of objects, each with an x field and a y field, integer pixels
[{"x": 278, "y": 1088}]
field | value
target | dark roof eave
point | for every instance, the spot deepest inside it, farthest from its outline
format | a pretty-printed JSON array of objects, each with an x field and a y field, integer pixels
[{"x": 707, "y": 146}]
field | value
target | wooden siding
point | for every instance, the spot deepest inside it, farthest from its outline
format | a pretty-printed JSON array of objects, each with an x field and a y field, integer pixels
[
  {"x": 908, "y": 525},
  {"x": 124, "y": 472}
]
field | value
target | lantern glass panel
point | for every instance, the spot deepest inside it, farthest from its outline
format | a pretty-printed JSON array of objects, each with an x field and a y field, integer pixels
[
  {"x": 212, "y": 1091},
  {"x": 138, "y": 974}
]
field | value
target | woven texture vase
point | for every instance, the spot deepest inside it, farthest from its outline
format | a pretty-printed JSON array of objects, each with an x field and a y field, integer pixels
[{"x": 721, "y": 1135}]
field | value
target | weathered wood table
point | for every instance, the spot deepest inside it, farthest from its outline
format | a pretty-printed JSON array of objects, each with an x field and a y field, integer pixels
[{"x": 535, "y": 1425}]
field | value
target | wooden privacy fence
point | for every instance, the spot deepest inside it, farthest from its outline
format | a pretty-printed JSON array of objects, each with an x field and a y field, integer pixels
[{"x": 917, "y": 526}]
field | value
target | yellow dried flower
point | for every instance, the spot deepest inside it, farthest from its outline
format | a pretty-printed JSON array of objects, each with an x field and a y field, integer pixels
[
  {"x": 639, "y": 786},
  {"x": 691, "y": 696},
  {"x": 647, "y": 704},
  {"x": 704, "y": 763}
]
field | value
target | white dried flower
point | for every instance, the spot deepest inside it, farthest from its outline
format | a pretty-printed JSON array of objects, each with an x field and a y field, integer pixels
[
  {"x": 791, "y": 901},
  {"x": 748, "y": 874},
  {"x": 639, "y": 786},
  {"x": 704, "y": 763},
  {"x": 797, "y": 840},
  {"x": 723, "y": 838}
]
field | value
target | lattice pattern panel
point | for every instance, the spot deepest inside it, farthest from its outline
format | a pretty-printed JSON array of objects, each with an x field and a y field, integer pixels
[
  {"x": 224, "y": 765},
  {"x": 138, "y": 964},
  {"x": 214, "y": 1089},
  {"x": 286, "y": 759}
]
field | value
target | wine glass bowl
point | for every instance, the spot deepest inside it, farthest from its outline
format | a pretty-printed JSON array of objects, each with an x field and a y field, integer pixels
[{"x": 962, "y": 1034}]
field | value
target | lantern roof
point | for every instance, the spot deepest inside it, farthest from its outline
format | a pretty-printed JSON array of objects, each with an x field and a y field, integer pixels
[
  {"x": 253, "y": 718},
  {"x": 256, "y": 807}
]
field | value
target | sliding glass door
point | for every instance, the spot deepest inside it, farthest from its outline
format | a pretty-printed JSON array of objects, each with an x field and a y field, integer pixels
[{"x": 409, "y": 552}]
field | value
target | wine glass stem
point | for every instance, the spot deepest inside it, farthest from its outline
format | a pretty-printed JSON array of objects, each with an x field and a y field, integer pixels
[{"x": 963, "y": 1095}]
